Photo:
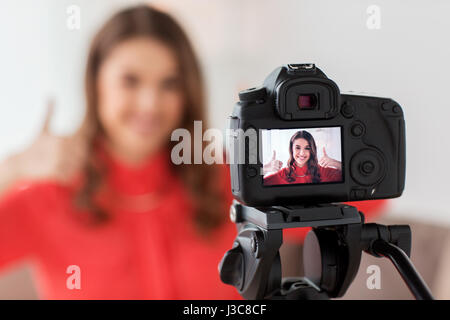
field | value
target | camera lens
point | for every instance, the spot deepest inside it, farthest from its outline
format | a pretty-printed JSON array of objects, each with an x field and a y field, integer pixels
[{"x": 307, "y": 101}]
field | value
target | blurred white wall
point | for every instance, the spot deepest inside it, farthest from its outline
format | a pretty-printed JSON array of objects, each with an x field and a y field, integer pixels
[{"x": 239, "y": 43}]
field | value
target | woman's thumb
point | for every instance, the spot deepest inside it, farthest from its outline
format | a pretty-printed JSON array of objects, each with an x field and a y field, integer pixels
[{"x": 48, "y": 115}]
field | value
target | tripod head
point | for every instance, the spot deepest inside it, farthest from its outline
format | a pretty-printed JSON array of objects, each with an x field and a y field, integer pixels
[{"x": 332, "y": 251}]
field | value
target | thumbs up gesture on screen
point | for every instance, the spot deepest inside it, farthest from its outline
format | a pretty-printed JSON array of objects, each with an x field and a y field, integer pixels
[
  {"x": 327, "y": 162},
  {"x": 274, "y": 165}
]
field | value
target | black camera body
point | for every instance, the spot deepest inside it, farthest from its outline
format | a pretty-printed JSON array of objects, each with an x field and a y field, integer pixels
[{"x": 299, "y": 96}]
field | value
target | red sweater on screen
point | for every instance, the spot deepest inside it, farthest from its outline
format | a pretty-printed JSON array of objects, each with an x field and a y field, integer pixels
[
  {"x": 301, "y": 175},
  {"x": 148, "y": 250}
]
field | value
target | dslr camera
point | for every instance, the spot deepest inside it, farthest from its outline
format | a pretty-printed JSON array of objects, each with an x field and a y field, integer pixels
[
  {"x": 299, "y": 147},
  {"x": 312, "y": 144}
]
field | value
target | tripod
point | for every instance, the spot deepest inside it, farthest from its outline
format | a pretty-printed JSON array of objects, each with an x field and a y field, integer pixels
[{"x": 332, "y": 251}]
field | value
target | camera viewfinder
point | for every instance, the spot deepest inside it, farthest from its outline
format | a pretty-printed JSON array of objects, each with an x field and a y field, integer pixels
[{"x": 307, "y": 101}]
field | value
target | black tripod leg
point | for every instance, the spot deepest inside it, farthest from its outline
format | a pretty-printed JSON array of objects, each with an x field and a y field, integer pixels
[{"x": 404, "y": 266}]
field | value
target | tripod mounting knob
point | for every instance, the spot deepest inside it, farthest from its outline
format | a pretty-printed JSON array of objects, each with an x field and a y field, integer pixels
[{"x": 231, "y": 267}]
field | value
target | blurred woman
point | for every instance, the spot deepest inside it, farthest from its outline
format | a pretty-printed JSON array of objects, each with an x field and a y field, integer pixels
[
  {"x": 105, "y": 214},
  {"x": 108, "y": 200},
  {"x": 303, "y": 165}
]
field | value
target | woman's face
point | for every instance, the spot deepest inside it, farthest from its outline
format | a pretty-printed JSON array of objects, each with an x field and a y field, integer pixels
[
  {"x": 140, "y": 98},
  {"x": 301, "y": 151}
]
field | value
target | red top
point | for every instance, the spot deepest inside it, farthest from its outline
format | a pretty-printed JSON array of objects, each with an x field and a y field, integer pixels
[
  {"x": 149, "y": 250},
  {"x": 301, "y": 175}
]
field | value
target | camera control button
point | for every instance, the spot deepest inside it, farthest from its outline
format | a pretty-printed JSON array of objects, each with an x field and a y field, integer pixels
[
  {"x": 357, "y": 194},
  {"x": 386, "y": 106},
  {"x": 396, "y": 109},
  {"x": 391, "y": 107},
  {"x": 367, "y": 167},
  {"x": 357, "y": 130},
  {"x": 347, "y": 110},
  {"x": 251, "y": 172}
]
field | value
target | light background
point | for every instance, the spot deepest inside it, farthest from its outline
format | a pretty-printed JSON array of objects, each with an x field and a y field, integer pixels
[
  {"x": 239, "y": 43},
  {"x": 278, "y": 141}
]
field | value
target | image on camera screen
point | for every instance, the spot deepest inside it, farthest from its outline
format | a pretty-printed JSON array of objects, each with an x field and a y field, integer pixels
[{"x": 301, "y": 156}]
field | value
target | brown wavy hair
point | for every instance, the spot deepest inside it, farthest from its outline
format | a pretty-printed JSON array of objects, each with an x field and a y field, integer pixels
[
  {"x": 200, "y": 180},
  {"x": 313, "y": 163}
]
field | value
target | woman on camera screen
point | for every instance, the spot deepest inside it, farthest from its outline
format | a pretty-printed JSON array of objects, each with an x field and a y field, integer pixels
[{"x": 303, "y": 165}]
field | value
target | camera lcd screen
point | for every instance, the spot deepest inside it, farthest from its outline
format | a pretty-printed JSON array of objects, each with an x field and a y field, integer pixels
[{"x": 301, "y": 156}]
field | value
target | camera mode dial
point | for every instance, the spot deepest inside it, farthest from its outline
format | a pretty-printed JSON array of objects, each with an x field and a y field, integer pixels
[{"x": 367, "y": 167}]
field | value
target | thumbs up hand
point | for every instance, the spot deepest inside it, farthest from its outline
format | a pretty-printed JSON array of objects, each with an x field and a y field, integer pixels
[
  {"x": 50, "y": 156},
  {"x": 326, "y": 161},
  {"x": 274, "y": 165}
]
